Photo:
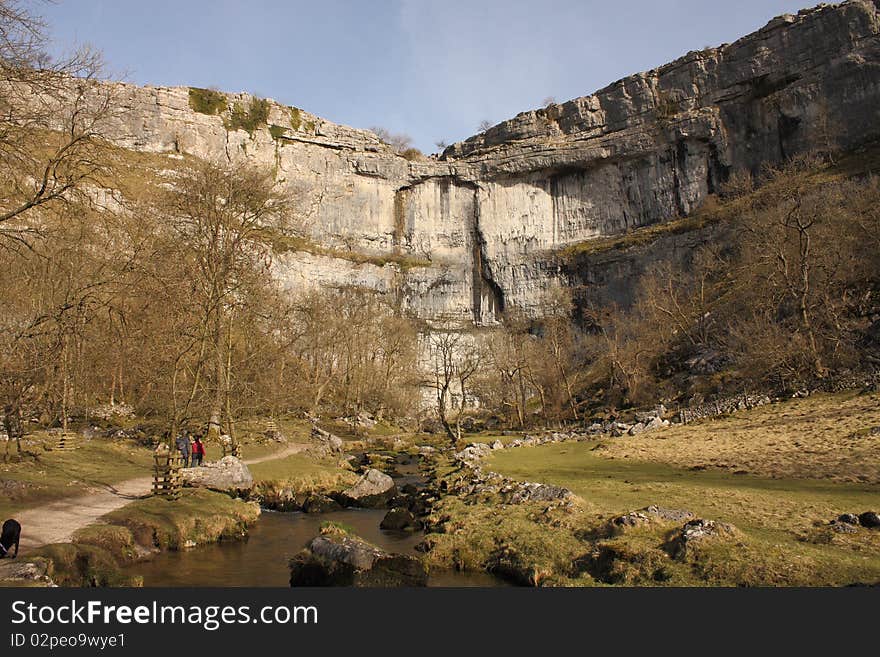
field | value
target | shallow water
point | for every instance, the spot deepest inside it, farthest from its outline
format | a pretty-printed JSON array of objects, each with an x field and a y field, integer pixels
[{"x": 261, "y": 560}]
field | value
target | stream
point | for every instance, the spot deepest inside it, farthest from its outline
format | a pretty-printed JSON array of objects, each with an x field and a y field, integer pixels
[{"x": 261, "y": 559}]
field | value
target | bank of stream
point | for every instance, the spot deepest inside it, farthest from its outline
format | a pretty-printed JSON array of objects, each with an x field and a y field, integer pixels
[{"x": 262, "y": 558}]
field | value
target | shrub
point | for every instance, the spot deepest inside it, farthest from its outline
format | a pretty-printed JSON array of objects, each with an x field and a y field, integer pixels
[
  {"x": 295, "y": 118},
  {"x": 412, "y": 154},
  {"x": 277, "y": 131},
  {"x": 206, "y": 101},
  {"x": 248, "y": 118}
]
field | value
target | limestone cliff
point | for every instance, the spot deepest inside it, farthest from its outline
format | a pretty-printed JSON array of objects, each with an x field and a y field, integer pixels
[{"x": 459, "y": 237}]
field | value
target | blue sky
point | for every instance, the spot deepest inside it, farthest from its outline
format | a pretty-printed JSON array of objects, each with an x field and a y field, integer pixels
[{"x": 431, "y": 69}]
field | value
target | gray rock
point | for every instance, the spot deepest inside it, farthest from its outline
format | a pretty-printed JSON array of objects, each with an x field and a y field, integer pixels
[
  {"x": 372, "y": 490},
  {"x": 332, "y": 559},
  {"x": 400, "y": 519},
  {"x": 696, "y": 531},
  {"x": 327, "y": 439},
  {"x": 649, "y": 513},
  {"x": 636, "y": 429},
  {"x": 317, "y": 503},
  {"x": 648, "y": 147},
  {"x": 229, "y": 474},
  {"x": 497, "y": 445}
]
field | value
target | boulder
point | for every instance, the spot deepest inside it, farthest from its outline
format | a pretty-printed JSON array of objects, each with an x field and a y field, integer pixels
[
  {"x": 651, "y": 513},
  {"x": 636, "y": 429},
  {"x": 229, "y": 474},
  {"x": 497, "y": 445},
  {"x": 373, "y": 490},
  {"x": 326, "y": 440},
  {"x": 656, "y": 423},
  {"x": 338, "y": 559},
  {"x": 317, "y": 503},
  {"x": 400, "y": 519},
  {"x": 474, "y": 452},
  {"x": 848, "y": 518},
  {"x": 532, "y": 492},
  {"x": 696, "y": 531}
]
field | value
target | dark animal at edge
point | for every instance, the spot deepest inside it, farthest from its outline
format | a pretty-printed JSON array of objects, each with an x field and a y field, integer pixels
[{"x": 9, "y": 539}]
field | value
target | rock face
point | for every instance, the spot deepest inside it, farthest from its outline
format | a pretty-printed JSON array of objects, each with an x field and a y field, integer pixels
[
  {"x": 373, "y": 490},
  {"x": 460, "y": 237},
  {"x": 229, "y": 474},
  {"x": 335, "y": 559}
]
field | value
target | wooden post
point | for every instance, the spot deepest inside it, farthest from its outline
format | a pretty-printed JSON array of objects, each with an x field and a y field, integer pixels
[{"x": 166, "y": 472}]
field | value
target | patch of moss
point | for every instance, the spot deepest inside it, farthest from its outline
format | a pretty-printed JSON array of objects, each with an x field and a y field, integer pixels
[
  {"x": 250, "y": 117},
  {"x": 277, "y": 131},
  {"x": 206, "y": 101}
]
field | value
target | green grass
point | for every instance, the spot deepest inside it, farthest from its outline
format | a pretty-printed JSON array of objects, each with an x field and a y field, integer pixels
[
  {"x": 615, "y": 486},
  {"x": 82, "y": 565},
  {"x": 785, "y": 540},
  {"x": 199, "y": 516},
  {"x": 206, "y": 101},
  {"x": 52, "y": 475},
  {"x": 300, "y": 472}
]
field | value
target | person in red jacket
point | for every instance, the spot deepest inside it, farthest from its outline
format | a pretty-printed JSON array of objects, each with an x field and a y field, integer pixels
[{"x": 198, "y": 451}]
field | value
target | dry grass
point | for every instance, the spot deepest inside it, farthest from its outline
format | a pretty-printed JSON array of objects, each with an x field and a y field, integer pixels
[
  {"x": 782, "y": 516},
  {"x": 820, "y": 437}
]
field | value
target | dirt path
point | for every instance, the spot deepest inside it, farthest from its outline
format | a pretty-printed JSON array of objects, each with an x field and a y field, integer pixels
[{"x": 56, "y": 522}]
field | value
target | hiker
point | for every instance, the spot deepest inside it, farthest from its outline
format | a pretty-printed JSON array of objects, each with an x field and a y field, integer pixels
[
  {"x": 182, "y": 443},
  {"x": 198, "y": 451}
]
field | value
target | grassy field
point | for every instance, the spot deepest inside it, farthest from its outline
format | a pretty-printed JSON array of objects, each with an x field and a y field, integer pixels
[
  {"x": 778, "y": 474},
  {"x": 301, "y": 472},
  {"x": 820, "y": 437},
  {"x": 44, "y": 475}
]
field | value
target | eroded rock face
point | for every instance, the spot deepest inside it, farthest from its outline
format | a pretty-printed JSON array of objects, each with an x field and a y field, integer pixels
[
  {"x": 229, "y": 474},
  {"x": 459, "y": 237}
]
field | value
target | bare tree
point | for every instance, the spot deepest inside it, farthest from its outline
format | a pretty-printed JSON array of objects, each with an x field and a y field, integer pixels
[
  {"x": 400, "y": 142},
  {"x": 218, "y": 215},
  {"x": 455, "y": 360},
  {"x": 52, "y": 115}
]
